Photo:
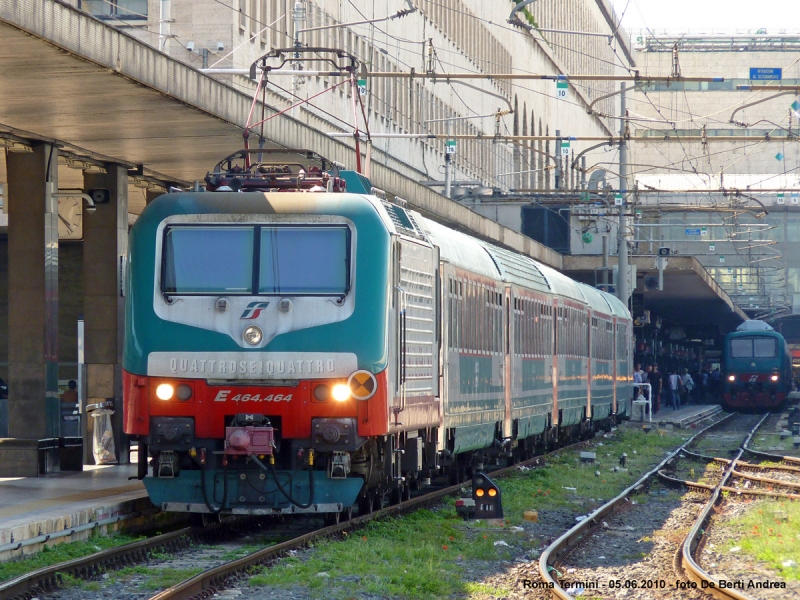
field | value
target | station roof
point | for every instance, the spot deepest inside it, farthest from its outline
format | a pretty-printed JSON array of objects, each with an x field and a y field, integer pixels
[
  {"x": 100, "y": 93},
  {"x": 690, "y": 297}
]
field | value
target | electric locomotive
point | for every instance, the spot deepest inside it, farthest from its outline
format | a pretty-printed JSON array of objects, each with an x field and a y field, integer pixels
[
  {"x": 296, "y": 343},
  {"x": 756, "y": 367}
]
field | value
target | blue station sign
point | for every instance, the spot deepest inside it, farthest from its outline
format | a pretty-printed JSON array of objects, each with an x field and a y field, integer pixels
[{"x": 765, "y": 74}]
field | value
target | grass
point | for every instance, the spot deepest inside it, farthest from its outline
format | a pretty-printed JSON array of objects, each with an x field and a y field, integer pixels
[
  {"x": 545, "y": 487},
  {"x": 768, "y": 443},
  {"x": 70, "y": 581},
  {"x": 431, "y": 553},
  {"x": 243, "y": 551},
  {"x": 419, "y": 556},
  {"x": 51, "y": 555},
  {"x": 771, "y": 533},
  {"x": 155, "y": 578}
]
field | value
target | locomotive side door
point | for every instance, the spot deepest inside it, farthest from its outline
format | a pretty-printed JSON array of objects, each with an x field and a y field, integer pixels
[{"x": 416, "y": 334}]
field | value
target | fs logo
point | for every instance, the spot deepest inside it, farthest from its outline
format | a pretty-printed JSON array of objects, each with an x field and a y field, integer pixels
[{"x": 253, "y": 310}]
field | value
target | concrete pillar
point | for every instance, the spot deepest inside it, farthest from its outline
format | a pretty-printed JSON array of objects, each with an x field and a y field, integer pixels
[
  {"x": 105, "y": 248},
  {"x": 33, "y": 406}
]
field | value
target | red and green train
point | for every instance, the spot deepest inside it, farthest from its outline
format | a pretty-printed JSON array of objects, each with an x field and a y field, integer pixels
[{"x": 296, "y": 343}]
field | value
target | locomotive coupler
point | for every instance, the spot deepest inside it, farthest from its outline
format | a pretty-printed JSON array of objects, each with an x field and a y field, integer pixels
[{"x": 249, "y": 435}]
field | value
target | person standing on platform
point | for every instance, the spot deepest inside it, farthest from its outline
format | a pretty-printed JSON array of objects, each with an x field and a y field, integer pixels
[
  {"x": 637, "y": 378},
  {"x": 704, "y": 381},
  {"x": 655, "y": 381},
  {"x": 674, "y": 387},
  {"x": 687, "y": 385},
  {"x": 716, "y": 383}
]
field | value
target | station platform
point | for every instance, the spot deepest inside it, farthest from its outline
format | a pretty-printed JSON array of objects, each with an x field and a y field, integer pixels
[
  {"x": 683, "y": 417},
  {"x": 68, "y": 506}
]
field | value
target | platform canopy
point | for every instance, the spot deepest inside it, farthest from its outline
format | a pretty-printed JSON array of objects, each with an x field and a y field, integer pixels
[{"x": 690, "y": 298}]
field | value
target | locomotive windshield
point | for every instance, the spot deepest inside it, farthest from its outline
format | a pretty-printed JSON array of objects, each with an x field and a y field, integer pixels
[
  {"x": 759, "y": 347},
  {"x": 303, "y": 260},
  {"x": 264, "y": 260},
  {"x": 208, "y": 260}
]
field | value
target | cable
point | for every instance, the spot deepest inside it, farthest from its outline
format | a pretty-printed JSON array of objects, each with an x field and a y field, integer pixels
[
  {"x": 286, "y": 494},
  {"x": 212, "y": 510}
]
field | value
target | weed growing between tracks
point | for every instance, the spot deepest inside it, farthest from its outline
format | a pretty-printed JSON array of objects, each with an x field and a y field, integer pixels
[
  {"x": 51, "y": 555},
  {"x": 769, "y": 531},
  {"x": 565, "y": 481},
  {"x": 434, "y": 554}
]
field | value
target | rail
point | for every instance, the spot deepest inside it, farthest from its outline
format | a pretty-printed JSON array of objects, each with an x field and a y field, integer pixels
[
  {"x": 206, "y": 584},
  {"x": 48, "y": 578},
  {"x": 694, "y": 570},
  {"x": 31, "y": 584},
  {"x": 570, "y": 538}
]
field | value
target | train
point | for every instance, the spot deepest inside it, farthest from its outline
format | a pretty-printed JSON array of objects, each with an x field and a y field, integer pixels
[
  {"x": 756, "y": 367},
  {"x": 299, "y": 342}
]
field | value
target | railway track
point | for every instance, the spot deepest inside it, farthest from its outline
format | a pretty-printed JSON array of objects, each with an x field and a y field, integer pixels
[
  {"x": 210, "y": 581},
  {"x": 759, "y": 495},
  {"x": 50, "y": 578},
  {"x": 643, "y": 578}
]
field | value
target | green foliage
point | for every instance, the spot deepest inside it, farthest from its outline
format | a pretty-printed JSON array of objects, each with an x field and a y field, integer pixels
[
  {"x": 51, "y": 555},
  {"x": 432, "y": 553},
  {"x": 544, "y": 487},
  {"x": 418, "y": 556},
  {"x": 155, "y": 578},
  {"x": 770, "y": 531}
]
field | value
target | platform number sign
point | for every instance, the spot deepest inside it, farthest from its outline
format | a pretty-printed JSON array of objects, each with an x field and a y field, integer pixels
[
  {"x": 362, "y": 87},
  {"x": 618, "y": 199},
  {"x": 487, "y": 497},
  {"x": 564, "y": 148},
  {"x": 780, "y": 198},
  {"x": 561, "y": 89},
  {"x": 450, "y": 147}
]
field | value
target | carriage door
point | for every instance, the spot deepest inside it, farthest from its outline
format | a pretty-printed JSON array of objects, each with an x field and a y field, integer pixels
[{"x": 416, "y": 339}]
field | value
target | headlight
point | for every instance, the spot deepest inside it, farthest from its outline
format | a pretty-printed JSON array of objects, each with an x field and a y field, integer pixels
[
  {"x": 774, "y": 378},
  {"x": 340, "y": 392},
  {"x": 731, "y": 377},
  {"x": 184, "y": 392},
  {"x": 322, "y": 393},
  {"x": 253, "y": 335},
  {"x": 165, "y": 391}
]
